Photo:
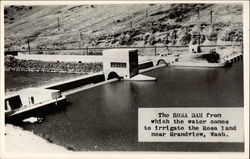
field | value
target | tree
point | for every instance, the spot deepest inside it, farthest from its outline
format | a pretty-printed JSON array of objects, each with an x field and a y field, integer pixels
[{"x": 213, "y": 57}]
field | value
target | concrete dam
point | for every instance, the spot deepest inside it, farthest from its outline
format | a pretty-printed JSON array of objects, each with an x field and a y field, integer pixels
[
  {"x": 105, "y": 118},
  {"x": 122, "y": 67},
  {"x": 118, "y": 64}
]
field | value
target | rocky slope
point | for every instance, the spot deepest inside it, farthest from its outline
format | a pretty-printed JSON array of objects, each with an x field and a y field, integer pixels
[
  {"x": 64, "y": 27},
  {"x": 12, "y": 64}
]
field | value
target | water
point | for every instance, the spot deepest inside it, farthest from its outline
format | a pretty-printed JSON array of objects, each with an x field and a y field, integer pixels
[
  {"x": 105, "y": 118},
  {"x": 19, "y": 80}
]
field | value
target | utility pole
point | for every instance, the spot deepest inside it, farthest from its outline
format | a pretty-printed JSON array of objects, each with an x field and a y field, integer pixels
[
  {"x": 242, "y": 47},
  {"x": 166, "y": 40},
  {"x": 198, "y": 12},
  {"x": 199, "y": 39},
  {"x": 79, "y": 41},
  {"x": 131, "y": 25},
  {"x": 58, "y": 24},
  {"x": 80, "y": 36},
  {"x": 155, "y": 51},
  {"x": 146, "y": 13},
  {"x": 28, "y": 45},
  {"x": 181, "y": 13},
  {"x": 211, "y": 20}
]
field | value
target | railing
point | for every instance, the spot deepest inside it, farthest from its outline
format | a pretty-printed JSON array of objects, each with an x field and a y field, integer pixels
[{"x": 143, "y": 50}]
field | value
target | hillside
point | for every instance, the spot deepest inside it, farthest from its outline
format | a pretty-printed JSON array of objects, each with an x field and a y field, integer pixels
[{"x": 120, "y": 25}]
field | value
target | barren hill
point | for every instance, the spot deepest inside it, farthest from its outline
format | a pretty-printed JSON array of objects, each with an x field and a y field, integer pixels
[{"x": 48, "y": 27}]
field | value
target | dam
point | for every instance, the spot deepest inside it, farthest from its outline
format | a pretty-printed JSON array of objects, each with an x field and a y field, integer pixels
[
  {"x": 105, "y": 118},
  {"x": 118, "y": 64}
]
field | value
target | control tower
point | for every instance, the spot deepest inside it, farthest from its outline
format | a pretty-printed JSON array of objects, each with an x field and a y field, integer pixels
[{"x": 120, "y": 63}]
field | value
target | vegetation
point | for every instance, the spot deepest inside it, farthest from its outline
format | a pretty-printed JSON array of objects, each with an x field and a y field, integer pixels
[
  {"x": 120, "y": 25},
  {"x": 212, "y": 57}
]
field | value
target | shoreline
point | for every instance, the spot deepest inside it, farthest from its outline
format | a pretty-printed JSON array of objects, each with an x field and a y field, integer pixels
[{"x": 23, "y": 141}]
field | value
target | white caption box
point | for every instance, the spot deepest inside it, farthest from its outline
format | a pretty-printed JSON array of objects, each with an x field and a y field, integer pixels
[{"x": 190, "y": 124}]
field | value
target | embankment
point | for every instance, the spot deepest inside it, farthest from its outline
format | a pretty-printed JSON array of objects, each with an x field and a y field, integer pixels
[
  {"x": 22, "y": 141},
  {"x": 12, "y": 64}
]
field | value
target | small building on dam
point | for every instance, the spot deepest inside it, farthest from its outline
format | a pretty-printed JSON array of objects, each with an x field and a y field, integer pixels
[
  {"x": 25, "y": 102},
  {"x": 122, "y": 63}
]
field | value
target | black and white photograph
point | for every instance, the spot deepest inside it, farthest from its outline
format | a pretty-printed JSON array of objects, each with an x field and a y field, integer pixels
[{"x": 153, "y": 77}]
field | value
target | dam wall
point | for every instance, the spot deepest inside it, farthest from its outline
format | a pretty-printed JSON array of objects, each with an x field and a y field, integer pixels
[
  {"x": 146, "y": 65},
  {"x": 72, "y": 84},
  {"x": 89, "y": 79},
  {"x": 14, "y": 100}
]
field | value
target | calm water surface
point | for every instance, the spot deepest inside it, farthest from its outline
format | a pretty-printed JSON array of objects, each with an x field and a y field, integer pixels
[
  {"x": 19, "y": 80},
  {"x": 105, "y": 118}
]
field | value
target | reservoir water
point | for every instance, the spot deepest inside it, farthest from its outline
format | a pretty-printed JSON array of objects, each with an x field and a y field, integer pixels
[
  {"x": 19, "y": 80},
  {"x": 105, "y": 118}
]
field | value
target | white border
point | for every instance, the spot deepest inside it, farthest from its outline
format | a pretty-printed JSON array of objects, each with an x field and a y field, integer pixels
[{"x": 175, "y": 155}]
